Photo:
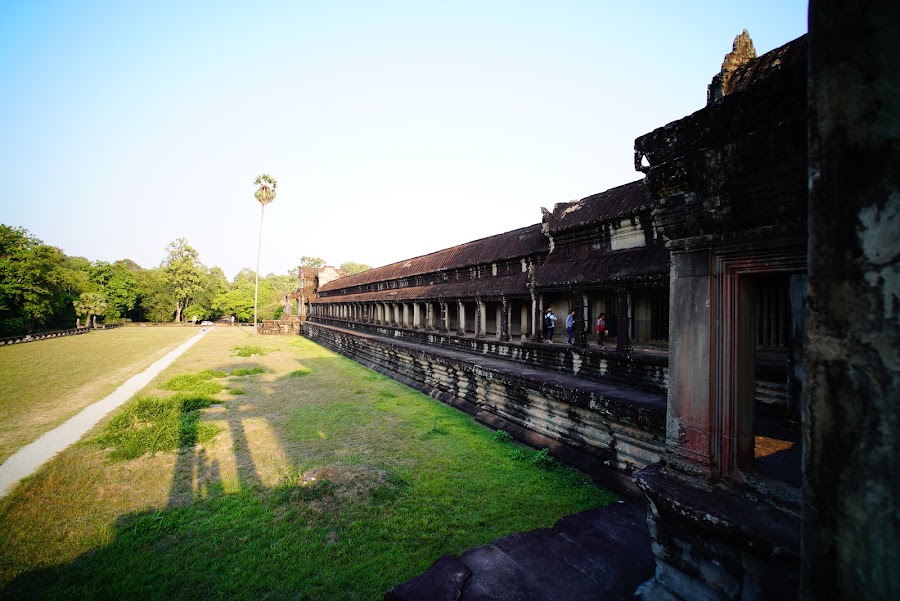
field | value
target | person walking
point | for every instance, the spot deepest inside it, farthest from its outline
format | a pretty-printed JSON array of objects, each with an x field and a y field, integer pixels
[
  {"x": 549, "y": 324},
  {"x": 570, "y": 324},
  {"x": 601, "y": 329}
]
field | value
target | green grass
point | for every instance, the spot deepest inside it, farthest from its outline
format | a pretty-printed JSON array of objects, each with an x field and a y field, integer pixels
[
  {"x": 151, "y": 424},
  {"x": 248, "y": 350},
  {"x": 299, "y": 373},
  {"x": 147, "y": 424},
  {"x": 247, "y": 371},
  {"x": 200, "y": 383},
  {"x": 44, "y": 383},
  {"x": 335, "y": 485}
]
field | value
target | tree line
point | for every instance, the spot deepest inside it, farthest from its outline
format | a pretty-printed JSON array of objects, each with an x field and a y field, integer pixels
[{"x": 42, "y": 288}]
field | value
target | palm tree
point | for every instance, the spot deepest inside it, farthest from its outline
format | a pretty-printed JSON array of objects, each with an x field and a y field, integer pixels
[
  {"x": 90, "y": 303},
  {"x": 265, "y": 194}
]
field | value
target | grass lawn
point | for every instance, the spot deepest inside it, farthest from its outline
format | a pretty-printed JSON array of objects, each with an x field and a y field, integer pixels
[
  {"x": 296, "y": 474},
  {"x": 44, "y": 383}
]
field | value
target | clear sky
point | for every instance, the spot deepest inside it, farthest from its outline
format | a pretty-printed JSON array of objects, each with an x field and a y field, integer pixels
[{"x": 394, "y": 128}]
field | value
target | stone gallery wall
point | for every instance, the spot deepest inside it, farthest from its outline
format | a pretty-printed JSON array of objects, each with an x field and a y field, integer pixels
[{"x": 592, "y": 425}]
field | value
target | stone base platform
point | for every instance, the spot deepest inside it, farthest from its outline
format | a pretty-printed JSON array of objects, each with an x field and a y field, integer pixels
[{"x": 602, "y": 553}]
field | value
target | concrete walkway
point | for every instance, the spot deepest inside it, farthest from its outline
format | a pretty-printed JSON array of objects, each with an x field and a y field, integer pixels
[{"x": 29, "y": 458}]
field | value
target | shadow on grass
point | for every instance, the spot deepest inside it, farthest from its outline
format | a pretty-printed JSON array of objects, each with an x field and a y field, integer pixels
[
  {"x": 195, "y": 476},
  {"x": 224, "y": 547},
  {"x": 295, "y": 541},
  {"x": 347, "y": 528}
]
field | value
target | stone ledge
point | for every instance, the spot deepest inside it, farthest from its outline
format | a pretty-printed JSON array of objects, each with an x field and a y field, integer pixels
[{"x": 606, "y": 431}]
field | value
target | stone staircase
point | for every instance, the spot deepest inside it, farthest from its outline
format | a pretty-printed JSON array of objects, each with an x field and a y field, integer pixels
[{"x": 603, "y": 553}]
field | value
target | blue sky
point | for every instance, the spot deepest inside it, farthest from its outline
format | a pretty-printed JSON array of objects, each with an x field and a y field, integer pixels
[{"x": 394, "y": 129}]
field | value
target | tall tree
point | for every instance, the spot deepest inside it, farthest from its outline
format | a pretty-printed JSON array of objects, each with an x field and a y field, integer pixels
[
  {"x": 264, "y": 194},
  {"x": 279, "y": 286},
  {"x": 118, "y": 284},
  {"x": 89, "y": 304},
  {"x": 238, "y": 299},
  {"x": 156, "y": 299},
  {"x": 30, "y": 280},
  {"x": 183, "y": 272},
  {"x": 212, "y": 284}
]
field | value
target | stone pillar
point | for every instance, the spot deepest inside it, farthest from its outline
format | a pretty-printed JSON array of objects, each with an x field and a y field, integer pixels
[
  {"x": 851, "y": 420},
  {"x": 524, "y": 321},
  {"x": 444, "y": 325},
  {"x": 537, "y": 319},
  {"x": 504, "y": 319},
  {"x": 417, "y": 317},
  {"x": 623, "y": 340},
  {"x": 581, "y": 328},
  {"x": 461, "y": 319},
  {"x": 429, "y": 316},
  {"x": 479, "y": 318},
  {"x": 690, "y": 419}
]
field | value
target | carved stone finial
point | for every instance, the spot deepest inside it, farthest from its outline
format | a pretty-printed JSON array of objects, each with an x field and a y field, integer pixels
[{"x": 742, "y": 51}]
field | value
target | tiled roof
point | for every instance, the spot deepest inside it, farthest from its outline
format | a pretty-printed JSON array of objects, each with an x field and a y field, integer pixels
[
  {"x": 510, "y": 245},
  {"x": 612, "y": 204},
  {"x": 486, "y": 287},
  {"x": 624, "y": 266}
]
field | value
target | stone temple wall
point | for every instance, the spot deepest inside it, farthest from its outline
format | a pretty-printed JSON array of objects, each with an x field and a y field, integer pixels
[{"x": 605, "y": 430}]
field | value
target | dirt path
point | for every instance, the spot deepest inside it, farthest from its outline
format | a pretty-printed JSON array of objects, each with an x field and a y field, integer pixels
[{"x": 29, "y": 458}]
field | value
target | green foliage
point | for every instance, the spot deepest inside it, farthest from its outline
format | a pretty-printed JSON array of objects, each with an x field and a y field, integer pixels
[
  {"x": 150, "y": 424},
  {"x": 520, "y": 454},
  {"x": 89, "y": 304},
  {"x": 436, "y": 430},
  {"x": 502, "y": 436},
  {"x": 312, "y": 261},
  {"x": 237, "y": 300},
  {"x": 350, "y": 267},
  {"x": 183, "y": 272},
  {"x": 299, "y": 373},
  {"x": 247, "y": 371},
  {"x": 117, "y": 284},
  {"x": 32, "y": 284},
  {"x": 213, "y": 284},
  {"x": 198, "y": 382},
  {"x": 156, "y": 299},
  {"x": 542, "y": 459},
  {"x": 266, "y": 191},
  {"x": 249, "y": 350}
]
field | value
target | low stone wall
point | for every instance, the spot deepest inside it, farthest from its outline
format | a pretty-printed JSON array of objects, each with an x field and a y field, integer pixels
[
  {"x": 603, "y": 429},
  {"x": 644, "y": 371},
  {"x": 42, "y": 336},
  {"x": 281, "y": 327}
]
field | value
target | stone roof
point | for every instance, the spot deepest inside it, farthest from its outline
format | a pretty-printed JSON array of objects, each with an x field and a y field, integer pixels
[
  {"x": 762, "y": 67},
  {"x": 763, "y": 91},
  {"x": 610, "y": 205},
  {"x": 485, "y": 287},
  {"x": 632, "y": 266},
  {"x": 518, "y": 243}
]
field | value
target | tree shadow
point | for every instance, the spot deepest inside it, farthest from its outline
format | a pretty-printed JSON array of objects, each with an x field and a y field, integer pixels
[{"x": 208, "y": 542}]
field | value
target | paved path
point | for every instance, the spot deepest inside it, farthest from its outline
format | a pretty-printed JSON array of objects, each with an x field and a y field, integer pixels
[
  {"x": 29, "y": 458},
  {"x": 601, "y": 553}
]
